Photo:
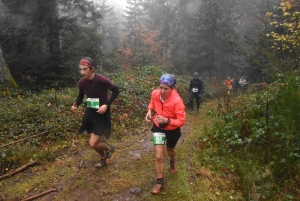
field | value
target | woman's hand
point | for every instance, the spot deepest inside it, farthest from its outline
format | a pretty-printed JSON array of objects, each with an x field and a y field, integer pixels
[
  {"x": 161, "y": 119},
  {"x": 148, "y": 116}
]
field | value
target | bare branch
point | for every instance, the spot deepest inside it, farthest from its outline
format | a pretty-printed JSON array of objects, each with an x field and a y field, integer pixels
[
  {"x": 18, "y": 170},
  {"x": 40, "y": 194},
  {"x": 27, "y": 138},
  {"x": 2, "y": 8}
]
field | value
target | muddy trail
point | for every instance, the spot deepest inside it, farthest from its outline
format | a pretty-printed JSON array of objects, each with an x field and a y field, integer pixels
[{"x": 131, "y": 176}]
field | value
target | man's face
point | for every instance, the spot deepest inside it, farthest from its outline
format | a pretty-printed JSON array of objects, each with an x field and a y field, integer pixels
[
  {"x": 86, "y": 72},
  {"x": 195, "y": 77},
  {"x": 228, "y": 78}
]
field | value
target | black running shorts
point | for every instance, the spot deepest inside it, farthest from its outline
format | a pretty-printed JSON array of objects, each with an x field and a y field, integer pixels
[
  {"x": 172, "y": 136},
  {"x": 93, "y": 122}
]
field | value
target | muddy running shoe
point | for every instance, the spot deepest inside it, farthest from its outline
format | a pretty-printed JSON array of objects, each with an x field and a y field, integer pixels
[
  {"x": 109, "y": 154},
  {"x": 173, "y": 167},
  {"x": 101, "y": 164},
  {"x": 158, "y": 187}
]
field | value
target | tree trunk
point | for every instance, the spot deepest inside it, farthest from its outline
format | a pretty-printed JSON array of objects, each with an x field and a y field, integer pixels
[
  {"x": 53, "y": 29},
  {"x": 5, "y": 76}
]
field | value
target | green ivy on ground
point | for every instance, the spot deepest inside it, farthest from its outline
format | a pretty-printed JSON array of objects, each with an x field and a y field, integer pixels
[{"x": 25, "y": 114}]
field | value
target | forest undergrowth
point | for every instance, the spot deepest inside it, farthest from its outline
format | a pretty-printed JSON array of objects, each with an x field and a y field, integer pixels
[
  {"x": 72, "y": 176},
  {"x": 243, "y": 149}
]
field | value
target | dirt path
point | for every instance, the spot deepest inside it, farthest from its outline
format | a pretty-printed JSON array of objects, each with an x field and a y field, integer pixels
[{"x": 73, "y": 175}]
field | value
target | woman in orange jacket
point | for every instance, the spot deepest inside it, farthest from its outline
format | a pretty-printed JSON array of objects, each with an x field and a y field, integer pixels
[{"x": 168, "y": 118}]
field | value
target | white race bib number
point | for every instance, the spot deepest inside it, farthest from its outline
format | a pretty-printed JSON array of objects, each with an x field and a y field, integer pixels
[
  {"x": 93, "y": 103},
  {"x": 195, "y": 90},
  {"x": 159, "y": 138}
]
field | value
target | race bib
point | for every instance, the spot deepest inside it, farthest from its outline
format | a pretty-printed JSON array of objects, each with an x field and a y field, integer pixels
[
  {"x": 195, "y": 90},
  {"x": 93, "y": 103},
  {"x": 159, "y": 138}
]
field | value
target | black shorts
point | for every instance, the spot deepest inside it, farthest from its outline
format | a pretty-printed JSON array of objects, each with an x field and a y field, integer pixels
[
  {"x": 93, "y": 122},
  {"x": 172, "y": 136}
]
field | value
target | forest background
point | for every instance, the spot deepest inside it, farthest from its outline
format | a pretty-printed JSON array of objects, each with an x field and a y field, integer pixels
[{"x": 42, "y": 42}]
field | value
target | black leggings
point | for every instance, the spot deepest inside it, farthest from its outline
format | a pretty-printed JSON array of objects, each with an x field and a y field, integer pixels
[{"x": 192, "y": 96}]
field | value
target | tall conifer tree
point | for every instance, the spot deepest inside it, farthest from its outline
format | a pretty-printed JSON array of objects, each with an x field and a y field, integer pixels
[{"x": 208, "y": 48}]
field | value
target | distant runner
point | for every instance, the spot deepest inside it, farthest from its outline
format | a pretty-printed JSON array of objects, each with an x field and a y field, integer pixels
[
  {"x": 243, "y": 84},
  {"x": 229, "y": 84},
  {"x": 195, "y": 91}
]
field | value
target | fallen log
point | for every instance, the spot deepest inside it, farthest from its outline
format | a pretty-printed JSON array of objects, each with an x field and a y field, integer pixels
[
  {"x": 26, "y": 138},
  {"x": 18, "y": 170},
  {"x": 40, "y": 194}
]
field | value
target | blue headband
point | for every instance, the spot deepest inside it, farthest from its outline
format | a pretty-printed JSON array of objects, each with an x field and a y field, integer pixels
[{"x": 167, "y": 79}]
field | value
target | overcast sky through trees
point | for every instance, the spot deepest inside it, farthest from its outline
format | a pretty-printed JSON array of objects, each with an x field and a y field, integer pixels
[{"x": 119, "y": 4}]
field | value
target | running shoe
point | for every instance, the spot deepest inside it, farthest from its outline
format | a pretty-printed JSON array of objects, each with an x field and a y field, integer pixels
[{"x": 109, "y": 154}]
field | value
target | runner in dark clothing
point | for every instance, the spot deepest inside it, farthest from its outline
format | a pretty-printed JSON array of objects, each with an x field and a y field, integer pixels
[
  {"x": 195, "y": 91},
  {"x": 96, "y": 120}
]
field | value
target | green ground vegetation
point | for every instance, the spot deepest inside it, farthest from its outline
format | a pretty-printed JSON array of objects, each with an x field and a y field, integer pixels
[{"x": 244, "y": 149}]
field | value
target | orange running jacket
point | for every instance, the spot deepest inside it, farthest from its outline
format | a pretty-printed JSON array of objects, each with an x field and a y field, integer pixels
[{"x": 173, "y": 108}]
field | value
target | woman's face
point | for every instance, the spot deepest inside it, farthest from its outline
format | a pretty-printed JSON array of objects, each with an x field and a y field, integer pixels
[{"x": 165, "y": 90}]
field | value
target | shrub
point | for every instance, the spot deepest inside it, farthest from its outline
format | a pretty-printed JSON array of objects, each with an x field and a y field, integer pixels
[{"x": 263, "y": 128}]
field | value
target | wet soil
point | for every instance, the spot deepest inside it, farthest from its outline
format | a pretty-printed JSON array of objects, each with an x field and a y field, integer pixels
[{"x": 76, "y": 178}]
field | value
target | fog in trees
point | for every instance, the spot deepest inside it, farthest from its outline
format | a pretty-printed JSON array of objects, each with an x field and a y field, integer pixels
[{"x": 43, "y": 40}]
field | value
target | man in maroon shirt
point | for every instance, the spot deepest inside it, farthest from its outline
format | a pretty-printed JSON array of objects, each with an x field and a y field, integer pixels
[{"x": 97, "y": 119}]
